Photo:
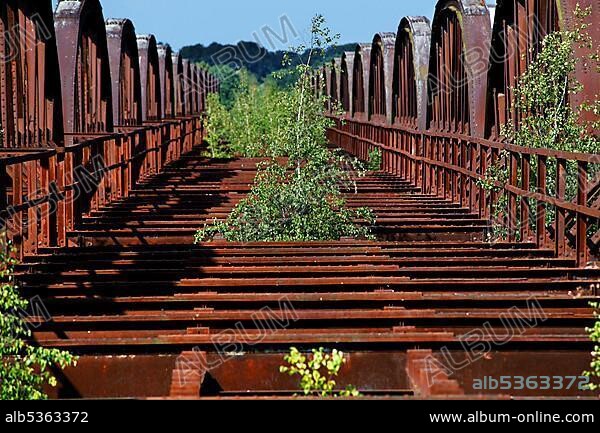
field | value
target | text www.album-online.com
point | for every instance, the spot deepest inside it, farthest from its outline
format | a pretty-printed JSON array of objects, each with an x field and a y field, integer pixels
[{"x": 535, "y": 417}]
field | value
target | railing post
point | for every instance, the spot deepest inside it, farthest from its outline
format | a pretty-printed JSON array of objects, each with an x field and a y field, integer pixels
[
  {"x": 561, "y": 185},
  {"x": 525, "y": 205},
  {"x": 513, "y": 217},
  {"x": 582, "y": 223},
  {"x": 542, "y": 172}
]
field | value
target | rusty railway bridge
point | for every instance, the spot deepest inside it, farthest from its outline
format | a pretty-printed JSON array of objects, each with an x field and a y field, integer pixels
[{"x": 103, "y": 183}]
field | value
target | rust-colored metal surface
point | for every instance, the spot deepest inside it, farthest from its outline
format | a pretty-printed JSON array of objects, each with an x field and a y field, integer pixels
[
  {"x": 125, "y": 72},
  {"x": 223, "y": 314},
  {"x": 150, "y": 78},
  {"x": 84, "y": 67},
  {"x": 360, "y": 87},
  {"x": 29, "y": 68},
  {"x": 411, "y": 69},
  {"x": 178, "y": 76},
  {"x": 381, "y": 76},
  {"x": 458, "y": 67},
  {"x": 187, "y": 86},
  {"x": 167, "y": 79},
  {"x": 346, "y": 81}
]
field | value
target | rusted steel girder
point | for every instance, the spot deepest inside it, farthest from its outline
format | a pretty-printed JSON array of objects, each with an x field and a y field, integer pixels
[
  {"x": 30, "y": 83},
  {"x": 84, "y": 67},
  {"x": 458, "y": 67},
  {"x": 326, "y": 77},
  {"x": 197, "y": 88},
  {"x": 346, "y": 81},
  {"x": 381, "y": 77},
  {"x": 202, "y": 89},
  {"x": 334, "y": 91},
  {"x": 360, "y": 88},
  {"x": 187, "y": 86},
  {"x": 125, "y": 72},
  {"x": 165, "y": 62},
  {"x": 150, "y": 78},
  {"x": 193, "y": 88},
  {"x": 178, "y": 77},
  {"x": 411, "y": 67}
]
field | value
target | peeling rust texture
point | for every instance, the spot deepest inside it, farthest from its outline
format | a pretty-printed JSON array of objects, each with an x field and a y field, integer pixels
[
  {"x": 30, "y": 99},
  {"x": 150, "y": 78},
  {"x": 380, "y": 77},
  {"x": 411, "y": 68},
  {"x": 84, "y": 67},
  {"x": 178, "y": 76},
  {"x": 165, "y": 61},
  {"x": 125, "y": 72}
]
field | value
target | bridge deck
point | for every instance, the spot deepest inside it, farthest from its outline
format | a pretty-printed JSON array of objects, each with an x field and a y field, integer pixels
[{"x": 137, "y": 295}]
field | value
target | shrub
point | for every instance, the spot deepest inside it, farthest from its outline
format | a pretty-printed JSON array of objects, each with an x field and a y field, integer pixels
[
  {"x": 594, "y": 373},
  {"x": 24, "y": 368},
  {"x": 375, "y": 159},
  {"x": 317, "y": 372}
]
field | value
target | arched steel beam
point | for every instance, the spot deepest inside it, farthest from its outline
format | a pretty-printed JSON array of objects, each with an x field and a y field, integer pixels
[
  {"x": 360, "y": 87},
  {"x": 165, "y": 64},
  {"x": 334, "y": 91},
  {"x": 203, "y": 88},
  {"x": 381, "y": 69},
  {"x": 411, "y": 66},
  {"x": 178, "y": 81},
  {"x": 30, "y": 102},
  {"x": 519, "y": 29},
  {"x": 458, "y": 64},
  {"x": 125, "y": 72},
  {"x": 326, "y": 77},
  {"x": 346, "y": 81},
  {"x": 84, "y": 66},
  {"x": 150, "y": 78},
  {"x": 196, "y": 93},
  {"x": 187, "y": 84}
]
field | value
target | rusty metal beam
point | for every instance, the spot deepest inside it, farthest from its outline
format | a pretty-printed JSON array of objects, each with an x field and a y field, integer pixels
[
  {"x": 165, "y": 59},
  {"x": 178, "y": 76},
  {"x": 458, "y": 67},
  {"x": 360, "y": 88},
  {"x": 381, "y": 76},
  {"x": 187, "y": 82},
  {"x": 84, "y": 66},
  {"x": 346, "y": 81},
  {"x": 411, "y": 68},
  {"x": 125, "y": 72},
  {"x": 150, "y": 78}
]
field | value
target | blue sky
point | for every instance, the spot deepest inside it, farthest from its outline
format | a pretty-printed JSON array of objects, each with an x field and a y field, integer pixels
[{"x": 185, "y": 22}]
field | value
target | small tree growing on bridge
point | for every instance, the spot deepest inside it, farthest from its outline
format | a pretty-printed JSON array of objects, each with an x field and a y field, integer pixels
[
  {"x": 298, "y": 197},
  {"x": 594, "y": 373},
  {"x": 24, "y": 368}
]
